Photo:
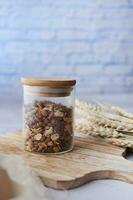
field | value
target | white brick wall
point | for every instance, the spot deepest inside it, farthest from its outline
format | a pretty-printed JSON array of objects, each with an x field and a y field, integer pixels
[{"x": 89, "y": 40}]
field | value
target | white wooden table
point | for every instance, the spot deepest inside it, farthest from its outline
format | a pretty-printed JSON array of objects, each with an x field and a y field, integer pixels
[{"x": 11, "y": 120}]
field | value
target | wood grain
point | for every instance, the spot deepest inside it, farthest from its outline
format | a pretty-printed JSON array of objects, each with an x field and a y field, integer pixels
[{"x": 91, "y": 159}]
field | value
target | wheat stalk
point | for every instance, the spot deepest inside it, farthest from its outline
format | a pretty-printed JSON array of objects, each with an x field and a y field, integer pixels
[
  {"x": 104, "y": 107},
  {"x": 112, "y": 136},
  {"x": 86, "y": 113},
  {"x": 119, "y": 123},
  {"x": 121, "y": 142},
  {"x": 119, "y": 126},
  {"x": 117, "y": 110},
  {"x": 87, "y": 106},
  {"x": 95, "y": 130},
  {"x": 103, "y": 124}
]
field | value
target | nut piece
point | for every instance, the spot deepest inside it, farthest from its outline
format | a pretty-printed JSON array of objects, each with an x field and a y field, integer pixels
[
  {"x": 67, "y": 119},
  {"x": 38, "y": 137},
  {"x": 29, "y": 146},
  {"x": 56, "y": 149},
  {"x": 55, "y": 137},
  {"x": 58, "y": 113},
  {"x": 50, "y": 144},
  {"x": 48, "y": 131},
  {"x": 42, "y": 145},
  {"x": 49, "y": 107}
]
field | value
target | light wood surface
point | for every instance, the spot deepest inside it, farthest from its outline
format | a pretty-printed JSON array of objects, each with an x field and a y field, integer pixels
[{"x": 91, "y": 159}]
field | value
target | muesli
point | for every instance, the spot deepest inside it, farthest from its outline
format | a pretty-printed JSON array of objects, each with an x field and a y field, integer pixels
[{"x": 48, "y": 127}]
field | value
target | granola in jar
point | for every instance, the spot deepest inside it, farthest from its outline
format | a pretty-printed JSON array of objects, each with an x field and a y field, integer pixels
[{"x": 48, "y": 127}]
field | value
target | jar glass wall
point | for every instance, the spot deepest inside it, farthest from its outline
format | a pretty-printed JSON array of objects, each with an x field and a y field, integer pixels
[{"x": 48, "y": 117}]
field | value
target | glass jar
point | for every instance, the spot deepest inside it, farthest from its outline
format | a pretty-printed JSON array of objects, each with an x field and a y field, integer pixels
[{"x": 48, "y": 114}]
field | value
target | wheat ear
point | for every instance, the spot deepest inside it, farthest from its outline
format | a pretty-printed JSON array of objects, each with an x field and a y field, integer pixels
[
  {"x": 122, "y": 112},
  {"x": 86, "y": 113},
  {"x": 121, "y": 142},
  {"x": 116, "y": 110},
  {"x": 119, "y": 126},
  {"x": 93, "y": 130},
  {"x": 87, "y": 106}
]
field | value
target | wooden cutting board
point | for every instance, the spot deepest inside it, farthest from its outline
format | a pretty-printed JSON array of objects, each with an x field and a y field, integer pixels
[{"x": 91, "y": 159}]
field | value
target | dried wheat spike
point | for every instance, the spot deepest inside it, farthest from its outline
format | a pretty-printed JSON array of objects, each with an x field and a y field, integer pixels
[
  {"x": 121, "y": 142},
  {"x": 116, "y": 110},
  {"x": 122, "y": 112},
  {"x": 104, "y": 108},
  {"x": 92, "y": 129},
  {"x": 119, "y": 126},
  {"x": 119, "y": 114},
  {"x": 87, "y": 106},
  {"x": 86, "y": 113},
  {"x": 81, "y": 112}
]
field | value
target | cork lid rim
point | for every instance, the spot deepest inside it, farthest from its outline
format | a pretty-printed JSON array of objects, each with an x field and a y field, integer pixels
[{"x": 49, "y": 81}]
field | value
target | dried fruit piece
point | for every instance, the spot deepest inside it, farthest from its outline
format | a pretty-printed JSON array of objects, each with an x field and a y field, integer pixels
[
  {"x": 29, "y": 145},
  {"x": 44, "y": 112},
  {"x": 48, "y": 131},
  {"x": 42, "y": 145},
  {"x": 38, "y": 137},
  {"x": 28, "y": 148},
  {"x": 67, "y": 119},
  {"x": 58, "y": 113},
  {"x": 50, "y": 143},
  {"x": 50, "y": 107},
  {"x": 55, "y": 137},
  {"x": 36, "y": 130},
  {"x": 56, "y": 149},
  {"x": 47, "y": 140}
]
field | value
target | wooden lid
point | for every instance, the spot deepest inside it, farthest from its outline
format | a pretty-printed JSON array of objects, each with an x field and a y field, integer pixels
[{"x": 52, "y": 82}]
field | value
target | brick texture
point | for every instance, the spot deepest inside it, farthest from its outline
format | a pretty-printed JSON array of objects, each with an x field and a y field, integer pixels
[{"x": 89, "y": 40}]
